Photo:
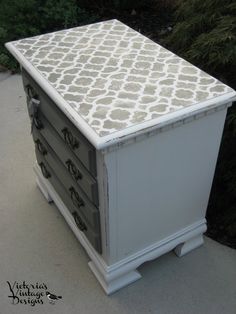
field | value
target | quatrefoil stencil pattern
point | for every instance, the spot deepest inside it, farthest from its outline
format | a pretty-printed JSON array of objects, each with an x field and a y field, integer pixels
[{"x": 114, "y": 77}]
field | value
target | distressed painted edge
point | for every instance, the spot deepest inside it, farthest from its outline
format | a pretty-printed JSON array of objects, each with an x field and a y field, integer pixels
[
  {"x": 139, "y": 136},
  {"x": 129, "y": 132}
]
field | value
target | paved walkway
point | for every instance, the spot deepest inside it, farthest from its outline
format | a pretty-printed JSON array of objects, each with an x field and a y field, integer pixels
[{"x": 36, "y": 245}]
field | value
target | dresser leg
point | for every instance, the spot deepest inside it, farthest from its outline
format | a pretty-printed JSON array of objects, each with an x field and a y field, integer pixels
[
  {"x": 43, "y": 189},
  {"x": 112, "y": 285},
  {"x": 189, "y": 245}
]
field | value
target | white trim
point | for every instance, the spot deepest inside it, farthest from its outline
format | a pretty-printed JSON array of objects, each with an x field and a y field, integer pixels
[
  {"x": 161, "y": 247},
  {"x": 188, "y": 246},
  {"x": 116, "y": 284}
]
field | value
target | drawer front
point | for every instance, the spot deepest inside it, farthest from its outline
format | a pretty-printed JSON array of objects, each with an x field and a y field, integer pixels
[
  {"x": 93, "y": 237},
  {"x": 76, "y": 170},
  {"x": 74, "y": 140},
  {"x": 77, "y": 197}
]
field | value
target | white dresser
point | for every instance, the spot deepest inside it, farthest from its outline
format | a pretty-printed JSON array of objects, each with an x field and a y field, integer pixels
[{"x": 126, "y": 137}]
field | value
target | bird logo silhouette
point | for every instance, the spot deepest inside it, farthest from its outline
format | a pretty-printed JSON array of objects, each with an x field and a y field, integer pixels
[{"x": 52, "y": 297}]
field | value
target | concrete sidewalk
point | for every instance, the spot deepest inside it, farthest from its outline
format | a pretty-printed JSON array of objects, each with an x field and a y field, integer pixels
[{"x": 36, "y": 245}]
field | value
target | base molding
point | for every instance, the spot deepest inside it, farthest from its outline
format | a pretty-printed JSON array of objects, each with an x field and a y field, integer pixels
[
  {"x": 111, "y": 286},
  {"x": 118, "y": 275},
  {"x": 189, "y": 245}
]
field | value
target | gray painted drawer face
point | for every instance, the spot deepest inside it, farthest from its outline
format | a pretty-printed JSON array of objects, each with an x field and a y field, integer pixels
[
  {"x": 93, "y": 237},
  {"x": 75, "y": 169},
  {"x": 86, "y": 209},
  {"x": 75, "y": 141}
]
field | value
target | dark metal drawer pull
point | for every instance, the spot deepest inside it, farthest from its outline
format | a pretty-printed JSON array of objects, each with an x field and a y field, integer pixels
[
  {"x": 44, "y": 170},
  {"x": 30, "y": 91},
  {"x": 37, "y": 123},
  {"x": 40, "y": 147},
  {"x": 76, "y": 199},
  {"x": 80, "y": 224},
  {"x": 75, "y": 173},
  {"x": 33, "y": 104},
  {"x": 69, "y": 138}
]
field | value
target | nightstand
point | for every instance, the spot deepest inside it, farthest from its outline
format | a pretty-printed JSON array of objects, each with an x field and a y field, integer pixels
[{"x": 126, "y": 139}]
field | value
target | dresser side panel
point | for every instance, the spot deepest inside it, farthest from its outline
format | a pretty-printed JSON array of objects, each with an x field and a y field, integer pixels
[{"x": 161, "y": 185}]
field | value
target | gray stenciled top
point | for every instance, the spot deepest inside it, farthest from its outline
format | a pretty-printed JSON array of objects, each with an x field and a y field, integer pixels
[{"x": 114, "y": 77}]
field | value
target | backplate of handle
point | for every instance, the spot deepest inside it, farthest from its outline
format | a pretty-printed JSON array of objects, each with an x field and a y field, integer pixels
[
  {"x": 75, "y": 173},
  {"x": 30, "y": 91},
  {"x": 44, "y": 170},
  {"x": 69, "y": 138},
  {"x": 33, "y": 104},
  {"x": 81, "y": 225},
  {"x": 40, "y": 147},
  {"x": 37, "y": 122},
  {"x": 33, "y": 101},
  {"x": 76, "y": 199}
]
